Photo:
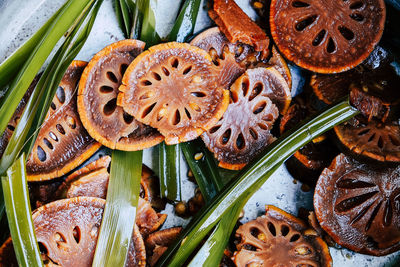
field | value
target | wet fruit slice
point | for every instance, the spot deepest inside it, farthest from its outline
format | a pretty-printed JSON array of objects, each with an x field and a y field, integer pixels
[
  {"x": 62, "y": 143},
  {"x": 327, "y": 36},
  {"x": 67, "y": 232},
  {"x": 97, "y": 100},
  {"x": 374, "y": 139},
  {"x": 357, "y": 204},
  {"x": 238, "y": 27},
  {"x": 280, "y": 239},
  {"x": 172, "y": 87},
  {"x": 242, "y": 133},
  {"x": 158, "y": 242}
]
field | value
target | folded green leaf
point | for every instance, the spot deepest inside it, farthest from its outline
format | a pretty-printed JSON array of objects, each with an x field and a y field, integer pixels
[
  {"x": 16, "y": 196},
  {"x": 169, "y": 171},
  {"x": 144, "y": 22},
  {"x": 120, "y": 211},
  {"x": 251, "y": 178},
  {"x": 185, "y": 22},
  {"x": 65, "y": 19}
]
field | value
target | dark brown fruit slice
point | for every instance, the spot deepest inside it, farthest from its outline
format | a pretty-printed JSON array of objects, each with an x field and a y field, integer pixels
[
  {"x": 172, "y": 87},
  {"x": 375, "y": 140},
  {"x": 358, "y": 206},
  {"x": 150, "y": 188},
  {"x": 67, "y": 232},
  {"x": 238, "y": 27},
  {"x": 7, "y": 254},
  {"x": 147, "y": 219},
  {"x": 62, "y": 143},
  {"x": 280, "y": 239},
  {"x": 327, "y": 36},
  {"x": 158, "y": 242},
  {"x": 244, "y": 131},
  {"x": 97, "y": 100}
]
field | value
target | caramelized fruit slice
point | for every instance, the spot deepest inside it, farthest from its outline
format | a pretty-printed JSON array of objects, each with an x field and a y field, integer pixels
[
  {"x": 280, "y": 239},
  {"x": 62, "y": 143},
  {"x": 238, "y": 27},
  {"x": 375, "y": 140},
  {"x": 67, "y": 232},
  {"x": 245, "y": 128},
  {"x": 97, "y": 100},
  {"x": 158, "y": 242},
  {"x": 358, "y": 206},
  {"x": 327, "y": 36},
  {"x": 173, "y": 88}
]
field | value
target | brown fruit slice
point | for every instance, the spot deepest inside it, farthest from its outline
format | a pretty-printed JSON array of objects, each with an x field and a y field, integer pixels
[
  {"x": 327, "y": 36},
  {"x": 280, "y": 239},
  {"x": 375, "y": 140},
  {"x": 67, "y": 232},
  {"x": 97, "y": 100},
  {"x": 172, "y": 87},
  {"x": 238, "y": 27},
  {"x": 358, "y": 206},
  {"x": 158, "y": 242},
  {"x": 62, "y": 143},
  {"x": 7, "y": 254},
  {"x": 244, "y": 131}
]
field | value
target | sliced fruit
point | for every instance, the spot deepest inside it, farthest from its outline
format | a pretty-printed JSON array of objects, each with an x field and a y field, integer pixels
[
  {"x": 357, "y": 204},
  {"x": 7, "y": 254},
  {"x": 67, "y": 232},
  {"x": 327, "y": 36},
  {"x": 280, "y": 65},
  {"x": 172, "y": 87},
  {"x": 97, "y": 100},
  {"x": 279, "y": 239},
  {"x": 158, "y": 242},
  {"x": 150, "y": 188},
  {"x": 238, "y": 27},
  {"x": 147, "y": 219},
  {"x": 62, "y": 143},
  {"x": 244, "y": 131},
  {"x": 374, "y": 139}
]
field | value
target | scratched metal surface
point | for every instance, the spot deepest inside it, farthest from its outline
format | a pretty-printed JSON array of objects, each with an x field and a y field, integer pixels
[{"x": 279, "y": 190}]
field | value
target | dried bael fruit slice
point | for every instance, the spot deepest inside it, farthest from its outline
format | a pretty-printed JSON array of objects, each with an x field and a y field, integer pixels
[
  {"x": 280, "y": 239},
  {"x": 97, "y": 100},
  {"x": 172, "y": 87},
  {"x": 238, "y": 27},
  {"x": 327, "y": 36},
  {"x": 7, "y": 254},
  {"x": 256, "y": 99},
  {"x": 357, "y": 204},
  {"x": 374, "y": 139},
  {"x": 158, "y": 242},
  {"x": 62, "y": 143}
]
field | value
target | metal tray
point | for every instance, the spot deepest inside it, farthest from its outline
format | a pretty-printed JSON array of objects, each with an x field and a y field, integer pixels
[{"x": 21, "y": 18}]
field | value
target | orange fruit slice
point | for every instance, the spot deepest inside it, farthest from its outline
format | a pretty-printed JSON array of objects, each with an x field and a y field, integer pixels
[
  {"x": 172, "y": 87},
  {"x": 97, "y": 100},
  {"x": 62, "y": 143}
]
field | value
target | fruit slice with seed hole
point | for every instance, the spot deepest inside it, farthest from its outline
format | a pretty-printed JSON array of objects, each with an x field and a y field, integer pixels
[
  {"x": 279, "y": 239},
  {"x": 172, "y": 87},
  {"x": 62, "y": 143},
  {"x": 374, "y": 140},
  {"x": 358, "y": 205},
  {"x": 17, "y": 114},
  {"x": 158, "y": 242},
  {"x": 244, "y": 130},
  {"x": 327, "y": 36},
  {"x": 97, "y": 100},
  {"x": 7, "y": 254},
  {"x": 67, "y": 232},
  {"x": 238, "y": 27}
]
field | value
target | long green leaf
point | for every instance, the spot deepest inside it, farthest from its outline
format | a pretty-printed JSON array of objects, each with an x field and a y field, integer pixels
[
  {"x": 120, "y": 211},
  {"x": 169, "y": 171},
  {"x": 65, "y": 19},
  {"x": 145, "y": 20},
  {"x": 185, "y": 22},
  {"x": 251, "y": 179},
  {"x": 16, "y": 196}
]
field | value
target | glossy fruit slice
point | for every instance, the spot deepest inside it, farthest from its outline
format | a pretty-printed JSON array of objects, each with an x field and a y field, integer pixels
[
  {"x": 172, "y": 87},
  {"x": 279, "y": 239},
  {"x": 374, "y": 139},
  {"x": 97, "y": 100},
  {"x": 244, "y": 131},
  {"x": 62, "y": 143},
  {"x": 158, "y": 242},
  {"x": 327, "y": 36},
  {"x": 67, "y": 232},
  {"x": 238, "y": 27},
  {"x": 357, "y": 204}
]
